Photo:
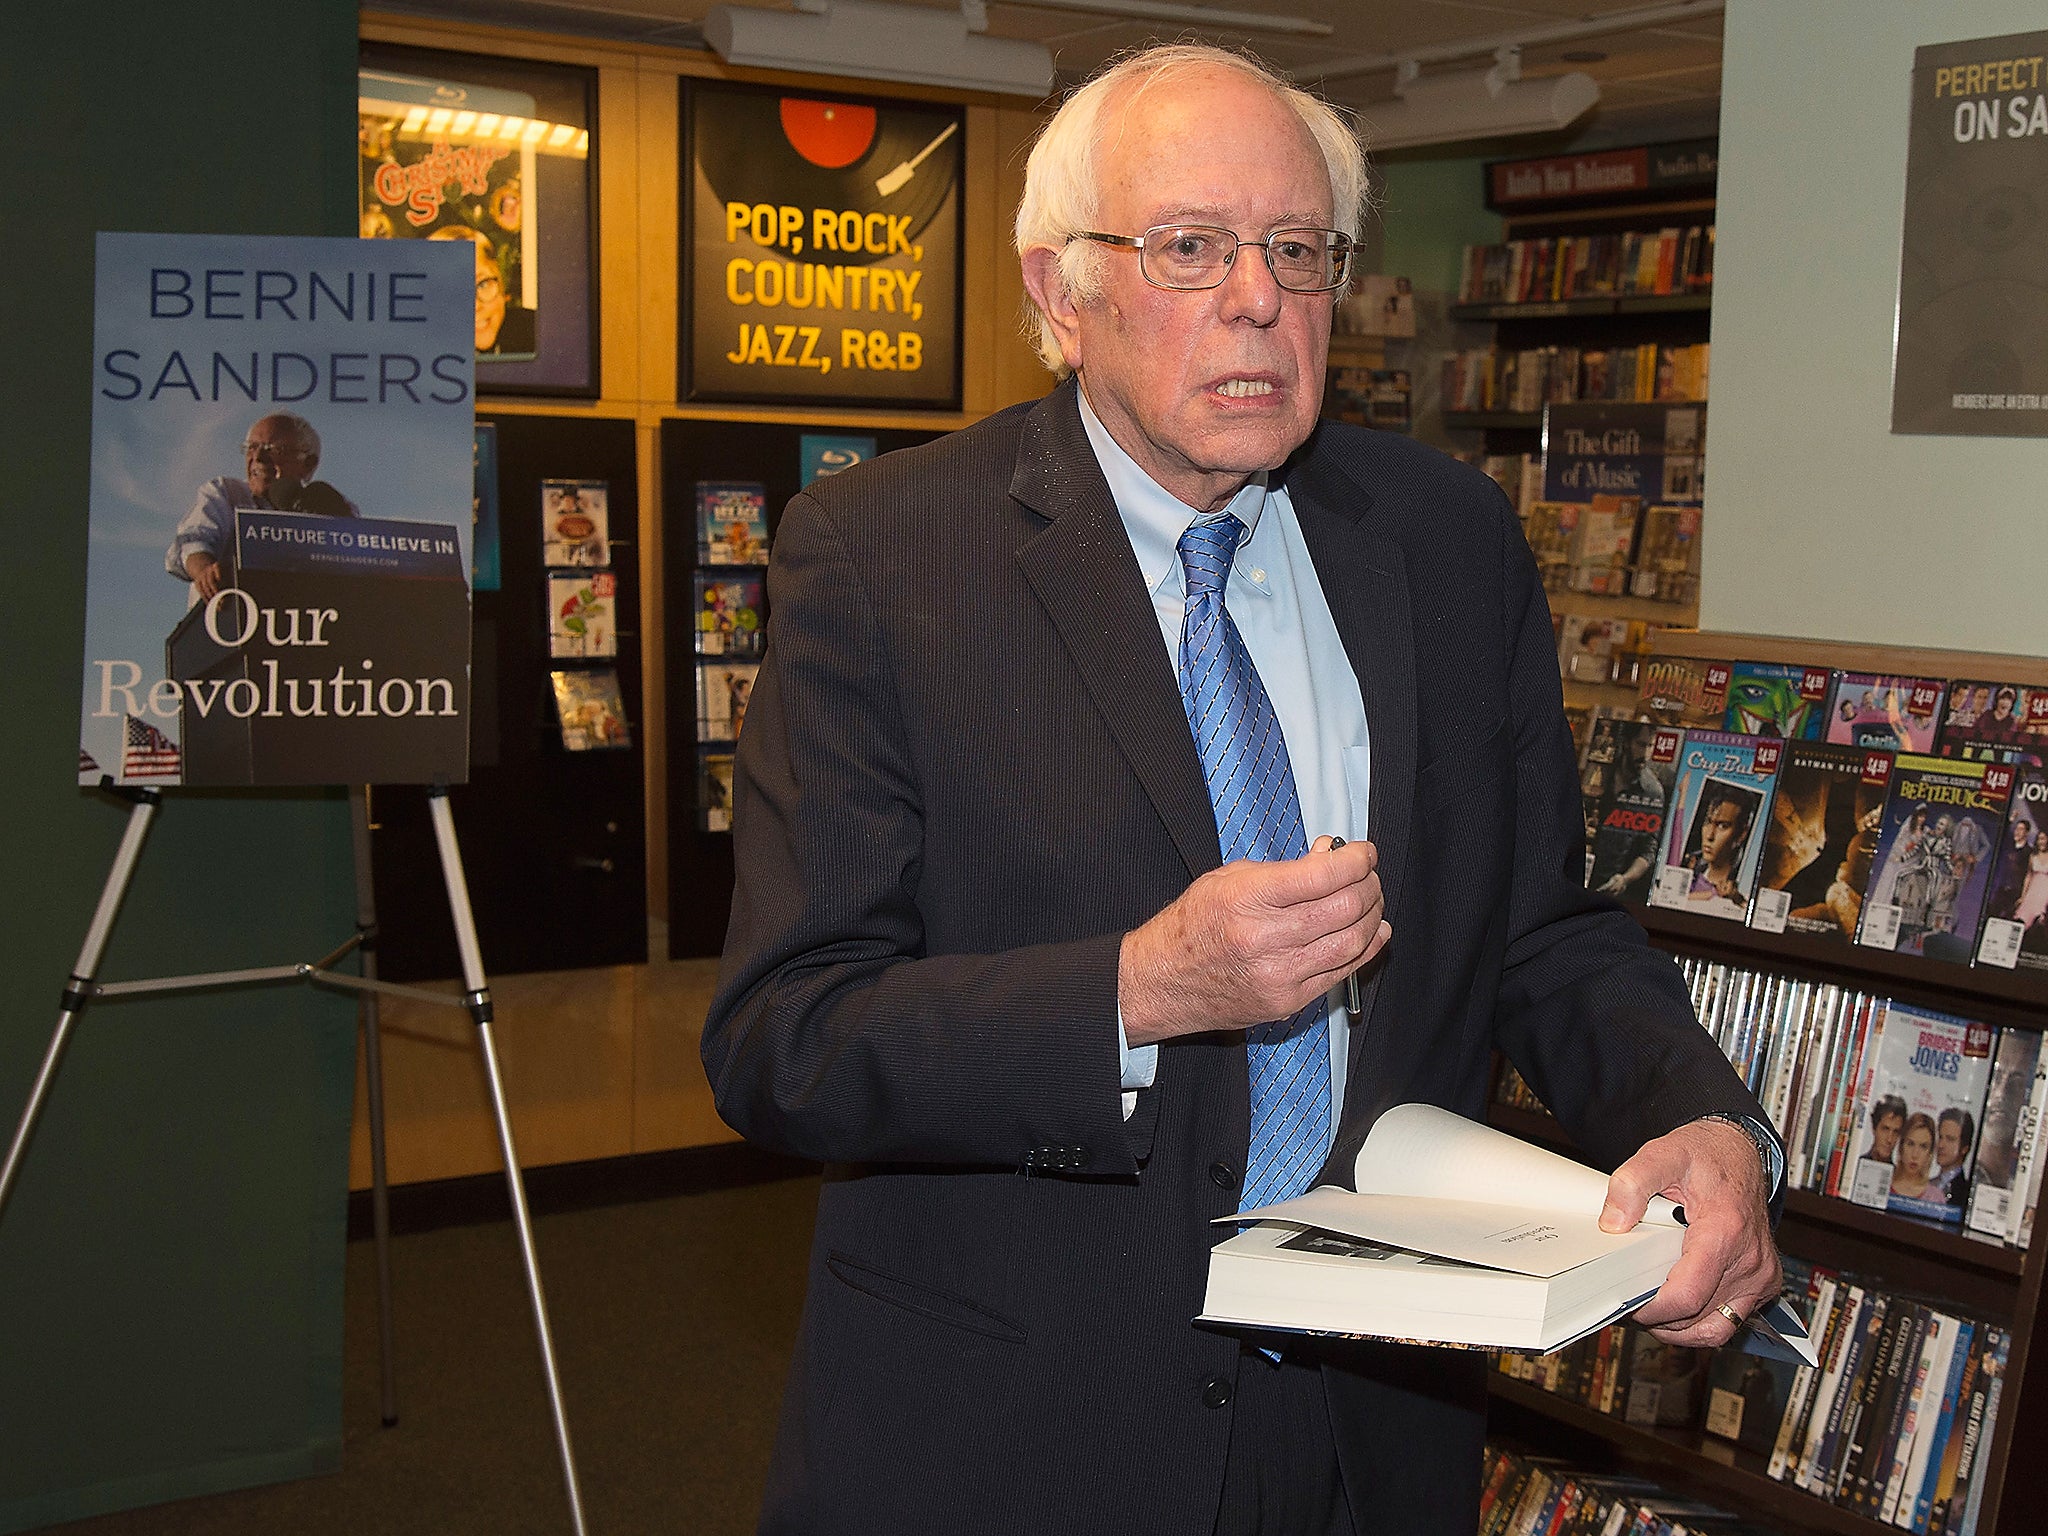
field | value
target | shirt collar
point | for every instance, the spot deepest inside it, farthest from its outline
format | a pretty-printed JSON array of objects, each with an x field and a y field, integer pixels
[{"x": 1153, "y": 516}]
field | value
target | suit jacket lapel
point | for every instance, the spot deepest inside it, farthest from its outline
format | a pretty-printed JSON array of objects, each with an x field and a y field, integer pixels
[
  {"x": 1086, "y": 576},
  {"x": 1364, "y": 576}
]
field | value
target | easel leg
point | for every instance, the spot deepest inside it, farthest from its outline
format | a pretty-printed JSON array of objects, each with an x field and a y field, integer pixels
[
  {"x": 371, "y": 1022},
  {"x": 477, "y": 996},
  {"x": 143, "y": 805}
]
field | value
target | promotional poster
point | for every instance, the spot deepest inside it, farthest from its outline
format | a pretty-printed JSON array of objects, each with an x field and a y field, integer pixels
[
  {"x": 1604, "y": 448},
  {"x": 823, "y": 247},
  {"x": 282, "y": 493},
  {"x": 1972, "y": 351}
]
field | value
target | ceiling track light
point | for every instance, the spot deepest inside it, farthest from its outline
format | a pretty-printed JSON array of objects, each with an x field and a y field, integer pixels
[{"x": 871, "y": 41}]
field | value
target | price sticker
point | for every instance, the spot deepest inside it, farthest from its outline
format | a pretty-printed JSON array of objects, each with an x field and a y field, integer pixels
[
  {"x": 1772, "y": 908},
  {"x": 2001, "y": 945},
  {"x": 1880, "y": 927}
]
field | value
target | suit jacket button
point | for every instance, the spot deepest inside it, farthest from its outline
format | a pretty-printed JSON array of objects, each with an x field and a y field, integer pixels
[
  {"x": 1215, "y": 1392},
  {"x": 1223, "y": 1176}
]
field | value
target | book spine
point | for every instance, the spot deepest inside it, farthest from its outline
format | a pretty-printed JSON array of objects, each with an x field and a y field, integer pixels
[
  {"x": 2026, "y": 1178},
  {"x": 1805, "y": 1383},
  {"x": 1952, "y": 1453},
  {"x": 1943, "y": 1429},
  {"x": 1879, "y": 1433},
  {"x": 1850, "y": 1303},
  {"x": 1922, "y": 1403},
  {"x": 1974, "y": 1507},
  {"x": 1833, "y": 1438}
]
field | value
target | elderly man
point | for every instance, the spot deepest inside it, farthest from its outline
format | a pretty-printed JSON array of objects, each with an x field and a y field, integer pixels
[
  {"x": 1041, "y": 934},
  {"x": 279, "y": 456}
]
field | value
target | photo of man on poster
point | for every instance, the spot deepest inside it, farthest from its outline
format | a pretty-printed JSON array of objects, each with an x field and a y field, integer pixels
[{"x": 279, "y": 457}]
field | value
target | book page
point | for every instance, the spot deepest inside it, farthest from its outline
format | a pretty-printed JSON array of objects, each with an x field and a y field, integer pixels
[{"x": 1419, "y": 1149}]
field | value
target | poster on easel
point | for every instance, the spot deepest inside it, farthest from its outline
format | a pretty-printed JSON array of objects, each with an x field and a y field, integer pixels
[
  {"x": 281, "y": 512},
  {"x": 1971, "y": 355}
]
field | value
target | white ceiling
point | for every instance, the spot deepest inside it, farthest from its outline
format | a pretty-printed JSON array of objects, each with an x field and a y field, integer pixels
[{"x": 1671, "y": 71}]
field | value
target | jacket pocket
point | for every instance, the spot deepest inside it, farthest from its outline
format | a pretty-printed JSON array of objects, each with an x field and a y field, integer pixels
[{"x": 922, "y": 1300}]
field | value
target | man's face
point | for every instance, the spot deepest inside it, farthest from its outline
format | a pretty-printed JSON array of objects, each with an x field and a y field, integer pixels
[
  {"x": 272, "y": 452},
  {"x": 1948, "y": 1144},
  {"x": 1205, "y": 389},
  {"x": 1717, "y": 836},
  {"x": 1884, "y": 1135}
]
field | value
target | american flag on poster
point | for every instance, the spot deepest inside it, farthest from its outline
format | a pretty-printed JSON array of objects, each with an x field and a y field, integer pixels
[
  {"x": 146, "y": 752},
  {"x": 86, "y": 766}
]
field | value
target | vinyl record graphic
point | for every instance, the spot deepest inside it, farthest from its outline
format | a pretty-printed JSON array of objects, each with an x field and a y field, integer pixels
[{"x": 815, "y": 152}]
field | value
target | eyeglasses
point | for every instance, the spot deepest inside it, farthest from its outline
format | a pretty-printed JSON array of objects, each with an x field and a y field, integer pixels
[
  {"x": 272, "y": 451},
  {"x": 1196, "y": 256}
]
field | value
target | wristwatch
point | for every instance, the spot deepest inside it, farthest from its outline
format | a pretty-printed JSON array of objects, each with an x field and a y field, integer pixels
[{"x": 1767, "y": 1148}]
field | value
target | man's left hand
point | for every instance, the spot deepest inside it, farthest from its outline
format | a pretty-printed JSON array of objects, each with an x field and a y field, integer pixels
[{"x": 1712, "y": 1169}]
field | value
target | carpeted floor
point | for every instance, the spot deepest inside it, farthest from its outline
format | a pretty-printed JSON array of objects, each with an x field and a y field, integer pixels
[{"x": 673, "y": 1319}]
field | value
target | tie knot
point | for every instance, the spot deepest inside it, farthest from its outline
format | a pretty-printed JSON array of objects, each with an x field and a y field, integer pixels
[{"x": 1206, "y": 550}]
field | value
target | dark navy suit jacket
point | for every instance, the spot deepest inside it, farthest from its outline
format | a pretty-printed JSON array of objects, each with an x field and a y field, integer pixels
[{"x": 966, "y": 773}]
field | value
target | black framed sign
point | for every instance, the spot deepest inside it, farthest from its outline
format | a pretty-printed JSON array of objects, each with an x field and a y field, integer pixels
[
  {"x": 499, "y": 154},
  {"x": 821, "y": 241}
]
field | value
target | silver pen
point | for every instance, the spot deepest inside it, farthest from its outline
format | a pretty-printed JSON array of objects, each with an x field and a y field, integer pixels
[{"x": 1351, "y": 981}]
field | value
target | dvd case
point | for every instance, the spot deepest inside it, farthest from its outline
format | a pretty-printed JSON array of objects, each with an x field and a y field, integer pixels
[{"x": 1713, "y": 830}]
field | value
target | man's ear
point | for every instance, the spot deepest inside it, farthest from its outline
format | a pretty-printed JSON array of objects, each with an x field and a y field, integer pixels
[{"x": 1048, "y": 290}]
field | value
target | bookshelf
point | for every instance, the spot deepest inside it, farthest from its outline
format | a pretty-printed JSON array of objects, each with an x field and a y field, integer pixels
[{"x": 1945, "y": 1266}]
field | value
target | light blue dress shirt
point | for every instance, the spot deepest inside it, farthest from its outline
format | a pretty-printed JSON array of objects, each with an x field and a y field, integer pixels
[{"x": 1277, "y": 602}]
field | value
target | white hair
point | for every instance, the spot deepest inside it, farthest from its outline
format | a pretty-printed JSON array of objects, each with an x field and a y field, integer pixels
[{"x": 1062, "y": 194}]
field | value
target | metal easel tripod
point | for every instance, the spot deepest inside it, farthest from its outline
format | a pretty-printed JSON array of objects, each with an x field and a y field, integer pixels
[{"x": 84, "y": 987}]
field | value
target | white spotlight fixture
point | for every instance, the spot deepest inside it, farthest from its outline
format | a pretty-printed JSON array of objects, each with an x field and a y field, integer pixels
[
  {"x": 1476, "y": 104},
  {"x": 881, "y": 42}
]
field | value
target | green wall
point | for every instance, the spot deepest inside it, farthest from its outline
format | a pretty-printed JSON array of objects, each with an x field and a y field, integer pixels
[
  {"x": 170, "y": 1264},
  {"x": 1430, "y": 210},
  {"x": 1819, "y": 521}
]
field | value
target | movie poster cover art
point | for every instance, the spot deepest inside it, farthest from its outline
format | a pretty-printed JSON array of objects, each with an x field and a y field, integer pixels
[
  {"x": 714, "y": 791},
  {"x": 724, "y": 689},
  {"x": 1900, "y": 714},
  {"x": 591, "y": 709},
  {"x": 1714, "y": 828},
  {"x": 1991, "y": 1208},
  {"x": 1932, "y": 870},
  {"x": 1767, "y": 698},
  {"x": 2016, "y": 912},
  {"x": 575, "y": 523},
  {"x": 1825, "y": 815},
  {"x": 1685, "y": 691},
  {"x": 1630, "y": 767},
  {"x": 1995, "y": 723},
  {"x": 1917, "y": 1127},
  {"x": 281, "y": 513},
  {"x": 729, "y": 613},
  {"x": 732, "y": 522},
  {"x": 583, "y": 614}
]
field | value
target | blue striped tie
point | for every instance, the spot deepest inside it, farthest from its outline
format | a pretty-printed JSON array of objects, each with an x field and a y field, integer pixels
[{"x": 1258, "y": 816}]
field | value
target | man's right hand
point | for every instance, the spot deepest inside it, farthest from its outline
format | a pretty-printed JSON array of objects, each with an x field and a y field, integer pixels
[
  {"x": 1252, "y": 942},
  {"x": 205, "y": 573}
]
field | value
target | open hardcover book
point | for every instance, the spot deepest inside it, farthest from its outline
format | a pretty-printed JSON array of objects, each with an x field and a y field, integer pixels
[{"x": 1458, "y": 1234}]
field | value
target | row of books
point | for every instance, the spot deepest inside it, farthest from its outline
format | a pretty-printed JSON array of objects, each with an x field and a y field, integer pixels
[
  {"x": 1523, "y": 1495},
  {"x": 1489, "y": 379},
  {"x": 1544, "y": 270},
  {"x": 1893, "y": 1424},
  {"x": 1614, "y": 546}
]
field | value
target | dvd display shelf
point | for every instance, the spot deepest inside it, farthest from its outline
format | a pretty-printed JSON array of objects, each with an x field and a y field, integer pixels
[{"x": 1937, "y": 1263}]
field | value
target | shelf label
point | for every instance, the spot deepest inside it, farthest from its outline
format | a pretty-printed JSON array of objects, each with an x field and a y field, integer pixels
[
  {"x": 1880, "y": 927},
  {"x": 1772, "y": 908},
  {"x": 2001, "y": 946}
]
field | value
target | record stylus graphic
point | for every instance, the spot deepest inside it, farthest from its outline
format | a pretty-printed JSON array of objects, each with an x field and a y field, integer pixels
[{"x": 889, "y": 183}]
